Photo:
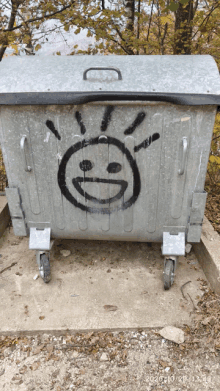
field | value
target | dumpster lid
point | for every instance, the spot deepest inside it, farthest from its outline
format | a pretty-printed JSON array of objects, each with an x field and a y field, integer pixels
[{"x": 179, "y": 79}]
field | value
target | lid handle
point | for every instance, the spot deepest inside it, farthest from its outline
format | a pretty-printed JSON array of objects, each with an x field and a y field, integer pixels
[{"x": 102, "y": 69}]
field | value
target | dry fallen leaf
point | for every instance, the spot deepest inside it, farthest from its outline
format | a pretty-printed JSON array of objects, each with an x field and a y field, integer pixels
[
  {"x": 108, "y": 307},
  {"x": 23, "y": 369},
  {"x": 16, "y": 377},
  {"x": 209, "y": 320},
  {"x": 164, "y": 364},
  {"x": 35, "y": 366},
  {"x": 38, "y": 349},
  {"x": 54, "y": 358},
  {"x": 49, "y": 348},
  {"x": 41, "y": 317},
  {"x": 94, "y": 340},
  {"x": 88, "y": 335}
]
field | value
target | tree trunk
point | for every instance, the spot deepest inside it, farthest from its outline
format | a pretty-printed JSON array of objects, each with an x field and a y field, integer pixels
[
  {"x": 183, "y": 29},
  {"x": 129, "y": 8},
  {"x": 15, "y": 5}
]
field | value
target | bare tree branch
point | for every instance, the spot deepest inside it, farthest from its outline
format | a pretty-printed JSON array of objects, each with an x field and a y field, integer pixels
[
  {"x": 118, "y": 43},
  {"x": 195, "y": 7},
  {"x": 130, "y": 7},
  {"x": 163, "y": 38},
  {"x": 15, "y": 5},
  {"x": 40, "y": 18},
  {"x": 207, "y": 17},
  {"x": 150, "y": 19},
  {"x": 215, "y": 138},
  {"x": 138, "y": 21},
  {"x": 128, "y": 50}
]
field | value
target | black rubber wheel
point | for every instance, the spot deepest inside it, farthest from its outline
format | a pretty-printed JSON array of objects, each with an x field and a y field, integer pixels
[
  {"x": 168, "y": 275},
  {"x": 45, "y": 268}
]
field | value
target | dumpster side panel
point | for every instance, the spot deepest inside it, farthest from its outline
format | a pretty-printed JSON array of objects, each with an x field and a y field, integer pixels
[
  {"x": 45, "y": 150},
  {"x": 12, "y": 132},
  {"x": 108, "y": 171},
  {"x": 202, "y": 128}
]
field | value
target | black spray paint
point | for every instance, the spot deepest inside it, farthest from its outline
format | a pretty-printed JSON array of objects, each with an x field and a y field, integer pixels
[
  {"x": 123, "y": 186},
  {"x": 80, "y": 122},
  {"x": 113, "y": 167},
  {"x": 138, "y": 120},
  {"x": 146, "y": 143},
  {"x": 106, "y": 118},
  {"x": 51, "y": 126},
  {"x": 77, "y": 181},
  {"x": 86, "y": 165}
]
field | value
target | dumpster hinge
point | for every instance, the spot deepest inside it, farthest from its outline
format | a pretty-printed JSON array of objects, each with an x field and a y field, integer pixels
[{"x": 196, "y": 217}]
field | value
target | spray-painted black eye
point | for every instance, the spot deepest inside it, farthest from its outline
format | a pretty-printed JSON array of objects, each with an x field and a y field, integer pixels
[
  {"x": 113, "y": 168},
  {"x": 86, "y": 165}
]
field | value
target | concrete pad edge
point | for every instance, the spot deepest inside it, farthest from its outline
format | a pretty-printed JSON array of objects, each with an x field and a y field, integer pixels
[
  {"x": 4, "y": 215},
  {"x": 208, "y": 254}
]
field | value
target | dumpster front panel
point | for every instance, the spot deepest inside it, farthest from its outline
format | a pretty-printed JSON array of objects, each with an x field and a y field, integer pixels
[{"x": 122, "y": 171}]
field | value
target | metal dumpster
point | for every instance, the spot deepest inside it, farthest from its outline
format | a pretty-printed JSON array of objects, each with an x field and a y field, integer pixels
[{"x": 108, "y": 147}]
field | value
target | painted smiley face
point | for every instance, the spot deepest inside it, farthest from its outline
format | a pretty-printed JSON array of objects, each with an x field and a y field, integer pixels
[
  {"x": 87, "y": 165},
  {"x": 113, "y": 167},
  {"x": 102, "y": 205}
]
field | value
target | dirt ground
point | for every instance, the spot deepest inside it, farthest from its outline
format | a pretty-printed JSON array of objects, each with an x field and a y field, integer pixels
[
  {"x": 212, "y": 211},
  {"x": 126, "y": 360}
]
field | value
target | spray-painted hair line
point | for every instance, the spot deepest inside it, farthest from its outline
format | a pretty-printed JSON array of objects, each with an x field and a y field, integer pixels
[{"x": 104, "y": 125}]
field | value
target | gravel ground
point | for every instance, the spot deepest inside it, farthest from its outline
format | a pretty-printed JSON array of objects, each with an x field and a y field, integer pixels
[{"x": 123, "y": 361}]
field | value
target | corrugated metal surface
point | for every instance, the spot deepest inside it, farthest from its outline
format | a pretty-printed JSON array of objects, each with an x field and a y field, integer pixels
[{"x": 107, "y": 171}]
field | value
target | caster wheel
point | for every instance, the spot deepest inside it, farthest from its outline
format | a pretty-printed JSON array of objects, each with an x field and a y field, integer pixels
[
  {"x": 45, "y": 268},
  {"x": 168, "y": 275}
]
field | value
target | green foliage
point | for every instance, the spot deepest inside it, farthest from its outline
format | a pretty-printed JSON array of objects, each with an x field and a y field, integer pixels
[
  {"x": 37, "y": 47},
  {"x": 214, "y": 158},
  {"x": 173, "y": 6}
]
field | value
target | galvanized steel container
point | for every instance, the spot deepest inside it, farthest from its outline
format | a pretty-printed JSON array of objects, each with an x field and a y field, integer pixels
[{"x": 108, "y": 147}]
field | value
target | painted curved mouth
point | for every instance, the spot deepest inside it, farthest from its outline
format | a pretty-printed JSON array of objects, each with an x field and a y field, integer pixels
[{"x": 77, "y": 184}]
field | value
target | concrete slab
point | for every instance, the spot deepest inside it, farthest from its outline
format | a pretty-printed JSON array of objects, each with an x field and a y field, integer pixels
[
  {"x": 208, "y": 254},
  {"x": 96, "y": 274}
]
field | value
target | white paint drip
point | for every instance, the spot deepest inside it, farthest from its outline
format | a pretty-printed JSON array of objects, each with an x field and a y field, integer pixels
[
  {"x": 199, "y": 169},
  {"x": 18, "y": 284},
  {"x": 185, "y": 119},
  {"x": 47, "y": 137},
  {"x": 37, "y": 304}
]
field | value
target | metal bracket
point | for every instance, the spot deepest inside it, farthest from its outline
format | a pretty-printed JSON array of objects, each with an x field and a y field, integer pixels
[
  {"x": 40, "y": 239},
  {"x": 173, "y": 244}
]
